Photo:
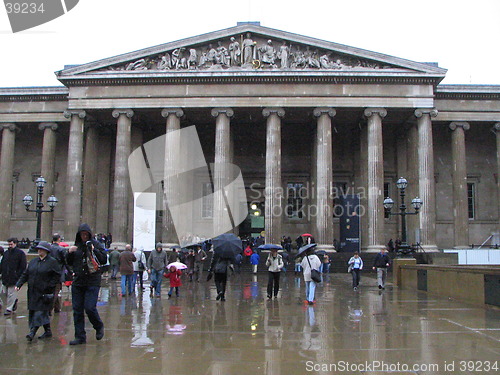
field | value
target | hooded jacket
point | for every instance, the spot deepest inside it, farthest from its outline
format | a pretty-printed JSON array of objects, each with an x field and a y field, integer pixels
[{"x": 78, "y": 260}]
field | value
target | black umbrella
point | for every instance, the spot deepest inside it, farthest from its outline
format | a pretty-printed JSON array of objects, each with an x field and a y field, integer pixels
[
  {"x": 305, "y": 248},
  {"x": 227, "y": 245}
]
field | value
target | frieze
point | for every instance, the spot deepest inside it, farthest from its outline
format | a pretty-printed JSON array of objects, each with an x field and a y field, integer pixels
[{"x": 244, "y": 52}]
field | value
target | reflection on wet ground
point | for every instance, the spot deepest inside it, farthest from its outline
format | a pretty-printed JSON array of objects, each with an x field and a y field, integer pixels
[{"x": 363, "y": 332}]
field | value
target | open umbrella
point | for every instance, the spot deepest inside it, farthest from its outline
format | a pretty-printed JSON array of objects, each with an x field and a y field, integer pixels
[
  {"x": 307, "y": 235},
  {"x": 305, "y": 248},
  {"x": 178, "y": 265},
  {"x": 270, "y": 246},
  {"x": 227, "y": 245},
  {"x": 63, "y": 244}
]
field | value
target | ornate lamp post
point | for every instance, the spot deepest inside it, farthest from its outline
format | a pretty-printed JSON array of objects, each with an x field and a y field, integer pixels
[
  {"x": 402, "y": 183},
  {"x": 28, "y": 201}
]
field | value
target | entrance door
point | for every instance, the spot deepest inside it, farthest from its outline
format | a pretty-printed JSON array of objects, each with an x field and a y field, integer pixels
[{"x": 350, "y": 236}]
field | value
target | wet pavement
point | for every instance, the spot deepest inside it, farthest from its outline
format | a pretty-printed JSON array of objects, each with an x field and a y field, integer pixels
[{"x": 347, "y": 332}]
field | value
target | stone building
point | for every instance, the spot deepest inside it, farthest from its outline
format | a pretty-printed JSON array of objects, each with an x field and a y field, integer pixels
[{"x": 296, "y": 114}]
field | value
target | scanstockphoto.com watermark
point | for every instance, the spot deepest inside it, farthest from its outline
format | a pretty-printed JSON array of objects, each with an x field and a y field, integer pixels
[{"x": 465, "y": 367}]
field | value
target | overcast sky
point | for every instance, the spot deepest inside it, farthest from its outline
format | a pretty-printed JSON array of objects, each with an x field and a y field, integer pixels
[{"x": 461, "y": 38}]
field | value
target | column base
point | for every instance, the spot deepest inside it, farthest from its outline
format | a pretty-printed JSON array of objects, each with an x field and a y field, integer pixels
[
  {"x": 374, "y": 249},
  {"x": 327, "y": 248}
]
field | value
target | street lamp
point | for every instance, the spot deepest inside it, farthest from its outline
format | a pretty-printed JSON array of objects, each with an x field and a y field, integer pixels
[
  {"x": 28, "y": 201},
  {"x": 402, "y": 183}
]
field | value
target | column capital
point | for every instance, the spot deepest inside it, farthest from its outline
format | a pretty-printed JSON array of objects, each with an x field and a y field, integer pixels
[
  {"x": 8, "y": 125},
  {"x": 122, "y": 111},
  {"x": 226, "y": 110},
  {"x": 165, "y": 112},
  {"x": 266, "y": 112},
  {"x": 419, "y": 112},
  {"x": 317, "y": 112},
  {"x": 496, "y": 128},
  {"x": 456, "y": 124},
  {"x": 369, "y": 112},
  {"x": 48, "y": 125},
  {"x": 79, "y": 113}
]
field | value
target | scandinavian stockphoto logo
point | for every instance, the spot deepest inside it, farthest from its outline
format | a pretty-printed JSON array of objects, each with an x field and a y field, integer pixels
[
  {"x": 25, "y": 14},
  {"x": 204, "y": 200}
]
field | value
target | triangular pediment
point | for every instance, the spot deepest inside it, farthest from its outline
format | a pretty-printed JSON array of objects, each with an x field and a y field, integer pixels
[{"x": 249, "y": 48}]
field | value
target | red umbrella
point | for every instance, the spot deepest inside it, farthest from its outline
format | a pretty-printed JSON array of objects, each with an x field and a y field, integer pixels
[
  {"x": 307, "y": 235},
  {"x": 63, "y": 244}
]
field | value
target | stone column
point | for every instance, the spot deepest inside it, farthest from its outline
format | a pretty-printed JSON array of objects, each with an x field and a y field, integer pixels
[
  {"x": 6, "y": 172},
  {"x": 324, "y": 178},
  {"x": 173, "y": 123},
  {"x": 222, "y": 221},
  {"x": 103, "y": 188},
  {"x": 90, "y": 162},
  {"x": 273, "y": 190},
  {"x": 74, "y": 173},
  {"x": 427, "y": 185},
  {"x": 375, "y": 193},
  {"x": 459, "y": 181},
  {"x": 48, "y": 172},
  {"x": 496, "y": 129},
  {"x": 122, "y": 183},
  {"x": 412, "y": 221}
]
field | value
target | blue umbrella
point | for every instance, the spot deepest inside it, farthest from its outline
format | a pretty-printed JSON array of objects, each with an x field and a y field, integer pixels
[
  {"x": 305, "y": 248},
  {"x": 270, "y": 246},
  {"x": 227, "y": 245}
]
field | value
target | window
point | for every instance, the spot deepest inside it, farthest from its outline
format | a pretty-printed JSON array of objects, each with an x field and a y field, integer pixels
[
  {"x": 207, "y": 201},
  {"x": 471, "y": 199},
  {"x": 295, "y": 203}
]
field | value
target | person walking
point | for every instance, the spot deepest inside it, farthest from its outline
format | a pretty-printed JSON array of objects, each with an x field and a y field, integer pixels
[
  {"x": 355, "y": 266},
  {"x": 58, "y": 253},
  {"x": 139, "y": 268},
  {"x": 175, "y": 280},
  {"x": 275, "y": 264},
  {"x": 114, "y": 262},
  {"x": 310, "y": 262},
  {"x": 381, "y": 263},
  {"x": 157, "y": 262},
  {"x": 254, "y": 260},
  {"x": 199, "y": 258},
  {"x": 42, "y": 274},
  {"x": 12, "y": 267},
  {"x": 325, "y": 264},
  {"x": 86, "y": 283},
  {"x": 218, "y": 267},
  {"x": 127, "y": 259}
]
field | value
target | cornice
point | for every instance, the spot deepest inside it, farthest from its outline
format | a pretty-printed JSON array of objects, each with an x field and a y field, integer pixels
[
  {"x": 33, "y": 94},
  {"x": 468, "y": 92}
]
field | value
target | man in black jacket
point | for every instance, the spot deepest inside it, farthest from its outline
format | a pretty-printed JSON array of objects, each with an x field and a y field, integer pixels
[
  {"x": 58, "y": 253},
  {"x": 12, "y": 266},
  {"x": 381, "y": 263},
  {"x": 86, "y": 283}
]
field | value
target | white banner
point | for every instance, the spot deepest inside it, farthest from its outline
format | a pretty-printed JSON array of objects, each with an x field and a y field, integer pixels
[{"x": 144, "y": 220}]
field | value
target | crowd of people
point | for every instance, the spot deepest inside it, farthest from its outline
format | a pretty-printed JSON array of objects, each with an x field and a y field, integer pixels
[{"x": 83, "y": 264}]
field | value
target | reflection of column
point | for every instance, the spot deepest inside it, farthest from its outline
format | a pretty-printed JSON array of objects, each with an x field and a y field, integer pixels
[
  {"x": 427, "y": 186},
  {"x": 74, "y": 172},
  {"x": 173, "y": 116},
  {"x": 89, "y": 201},
  {"x": 222, "y": 160},
  {"x": 48, "y": 172},
  {"x": 6, "y": 171},
  {"x": 121, "y": 185},
  {"x": 496, "y": 128},
  {"x": 324, "y": 177},
  {"x": 459, "y": 180},
  {"x": 273, "y": 208},
  {"x": 375, "y": 179}
]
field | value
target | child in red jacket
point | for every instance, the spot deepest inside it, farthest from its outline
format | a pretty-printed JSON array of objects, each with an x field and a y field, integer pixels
[{"x": 175, "y": 280}]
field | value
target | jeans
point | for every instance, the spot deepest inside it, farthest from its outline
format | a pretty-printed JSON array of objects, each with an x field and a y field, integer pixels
[
  {"x": 139, "y": 277},
  {"x": 172, "y": 289},
  {"x": 84, "y": 299},
  {"x": 274, "y": 279},
  {"x": 326, "y": 267},
  {"x": 114, "y": 270},
  {"x": 128, "y": 279},
  {"x": 356, "y": 276},
  {"x": 156, "y": 279},
  {"x": 381, "y": 276},
  {"x": 310, "y": 290}
]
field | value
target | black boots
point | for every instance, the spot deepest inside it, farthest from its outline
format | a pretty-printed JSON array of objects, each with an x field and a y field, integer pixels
[
  {"x": 47, "y": 334},
  {"x": 32, "y": 333}
]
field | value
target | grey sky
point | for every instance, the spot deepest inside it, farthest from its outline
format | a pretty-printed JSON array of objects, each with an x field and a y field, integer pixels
[{"x": 461, "y": 37}]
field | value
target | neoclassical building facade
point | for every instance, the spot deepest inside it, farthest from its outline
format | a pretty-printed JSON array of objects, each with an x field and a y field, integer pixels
[{"x": 308, "y": 122}]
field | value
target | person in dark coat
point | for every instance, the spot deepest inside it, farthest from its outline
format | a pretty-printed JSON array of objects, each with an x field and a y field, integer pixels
[
  {"x": 58, "y": 253},
  {"x": 12, "y": 267},
  {"x": 381, "y": 263},
  {"x": 218, "y": 267},
  {"x": 86, "y": 283},
  {"x": 42, "y": 275}
]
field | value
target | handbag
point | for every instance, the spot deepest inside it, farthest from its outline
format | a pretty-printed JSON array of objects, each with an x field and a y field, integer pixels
[
  {"x": 140, "y": 264},
  {"x": 92, "y": 263},
  {"x": 315, "y": 275}
]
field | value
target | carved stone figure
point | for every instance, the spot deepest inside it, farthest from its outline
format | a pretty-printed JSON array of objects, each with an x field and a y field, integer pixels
[
  {"x": 267, "y": 53},
  {"x": 324, "y": 61},
  {"x": 178, "y": 61},
  {"x": 283, "y": 55},
  {"x": 211, "y": 54},
  {"x": 311, "y": 58},
  {"x": 138, "y": 65},
  {"x": 248, "y": 49},
  {"x": 337, "y": 64},
  {"x": 299, "y": 60},
  {"x": 222, "y": 56},
  {"x": 234, "y": 52},
  {"x": 192, "y": 59},
  {"x": 165, "y": 62}
]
